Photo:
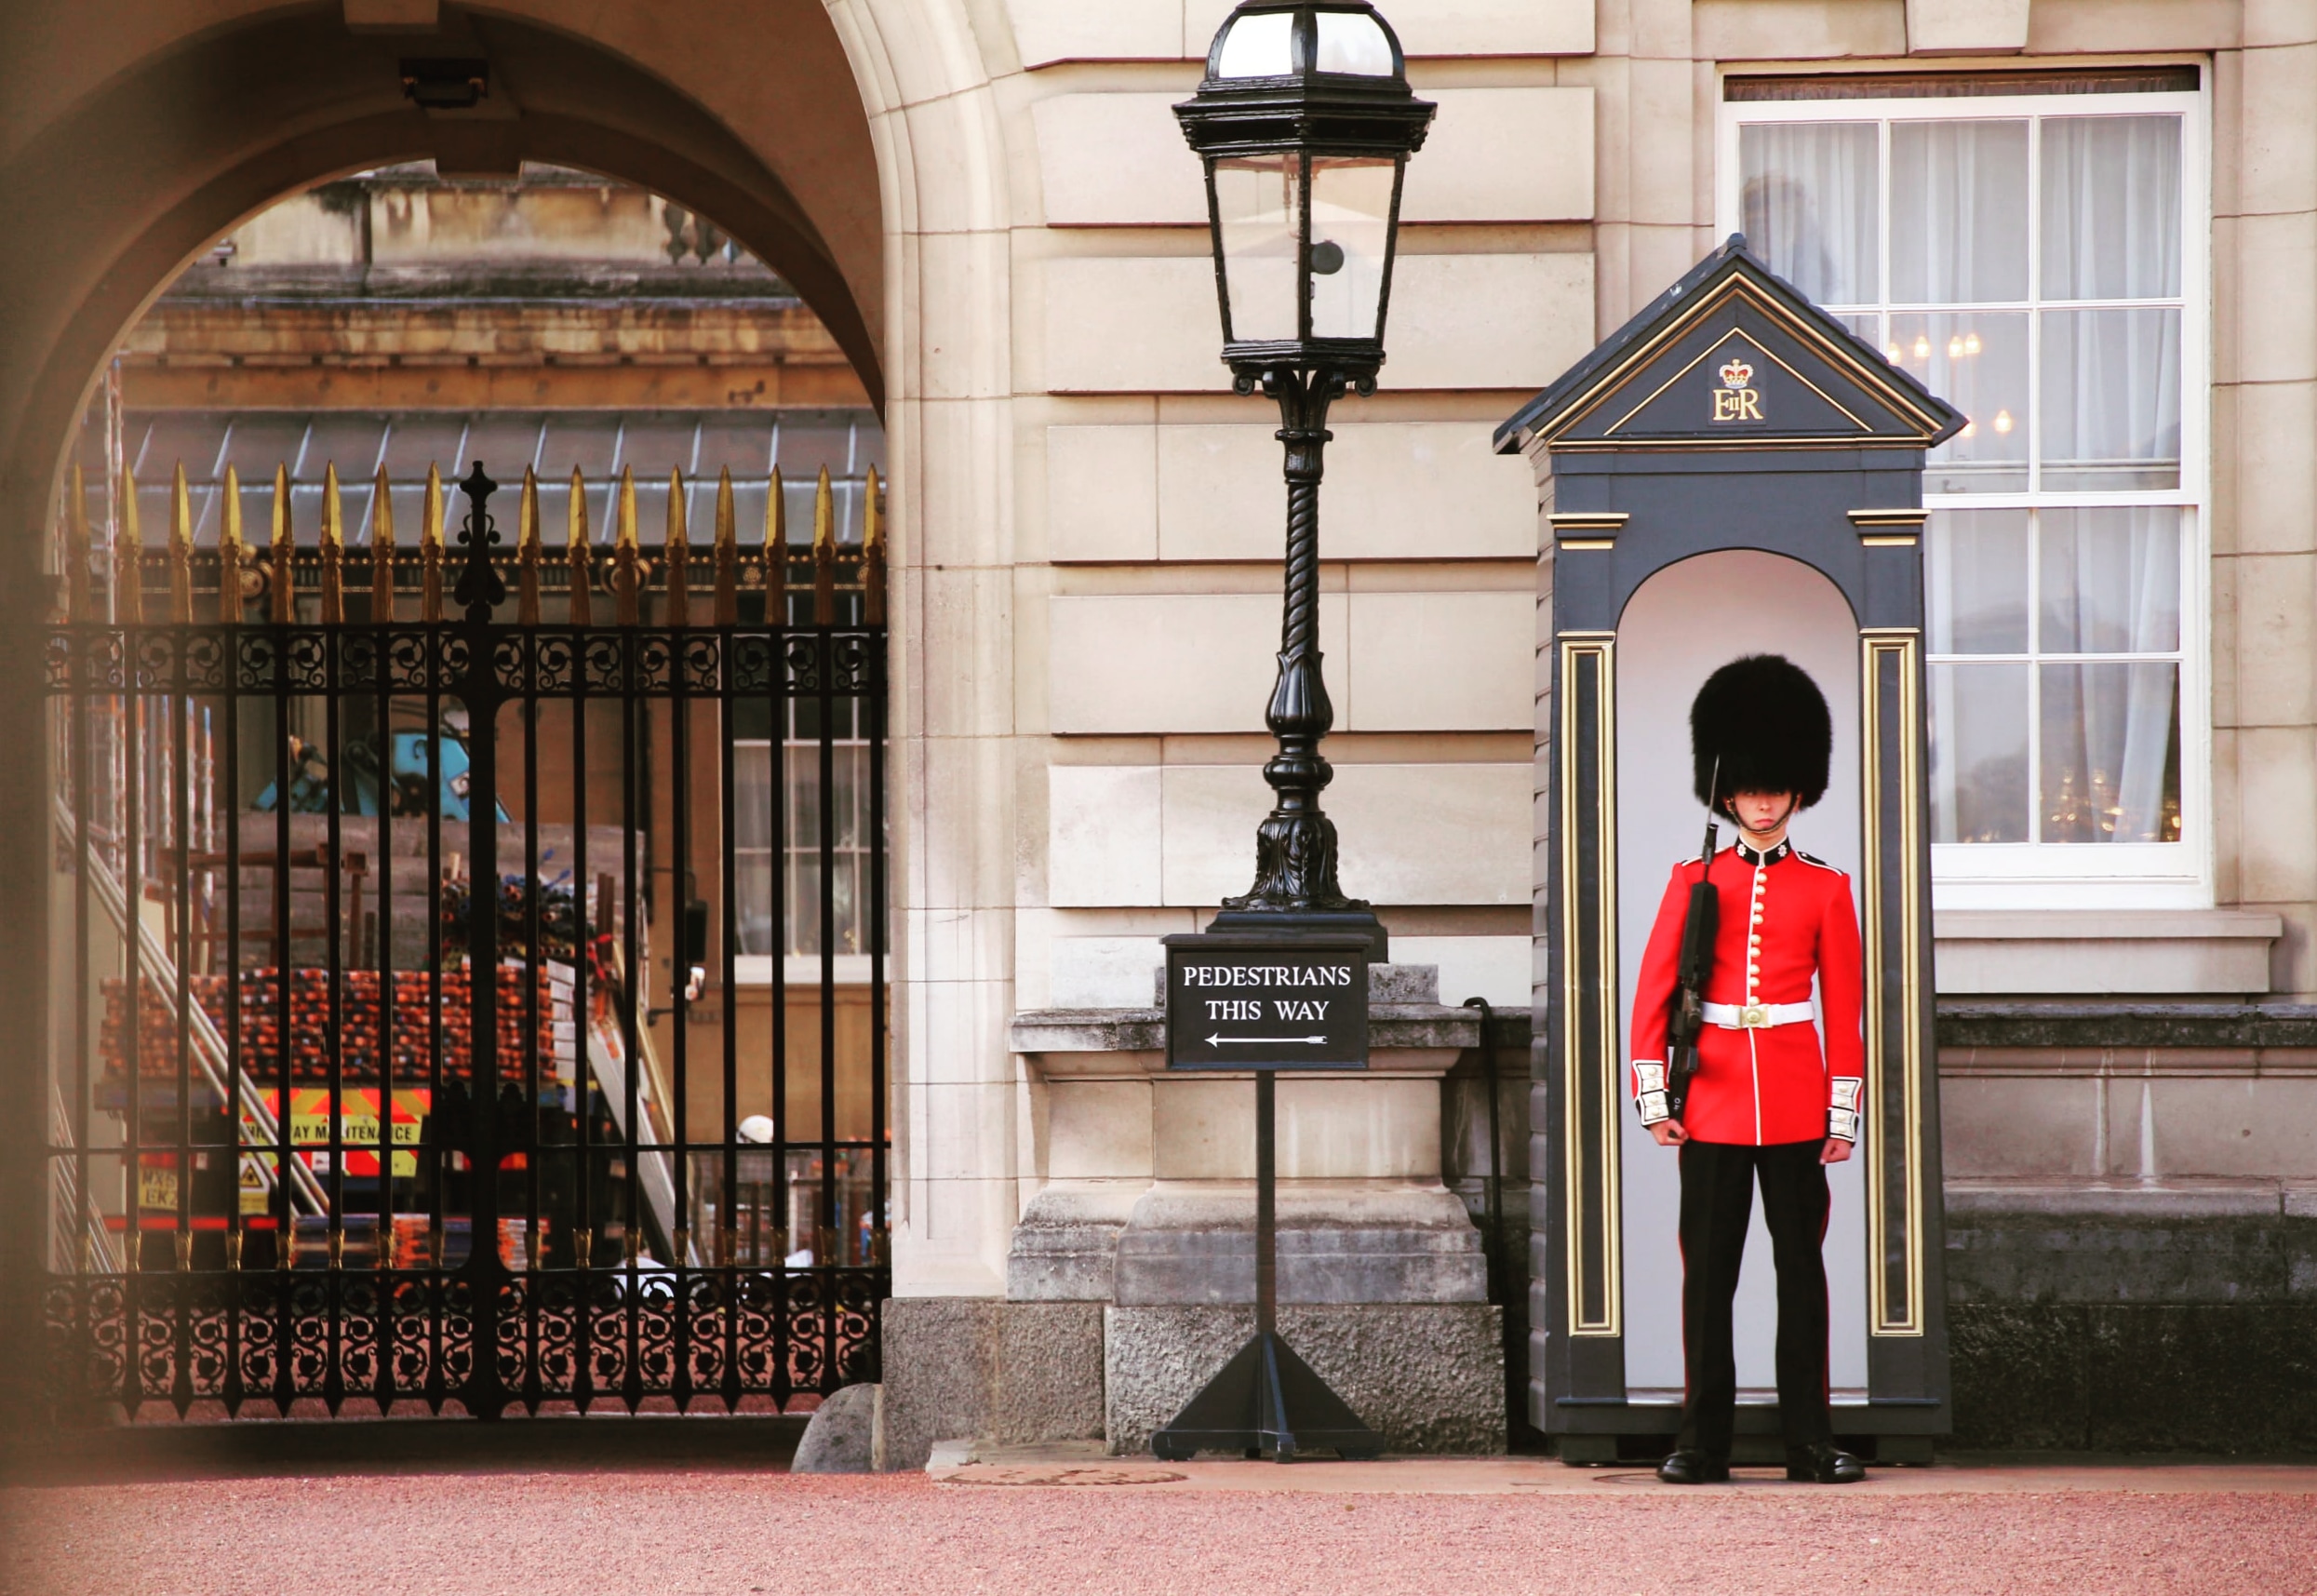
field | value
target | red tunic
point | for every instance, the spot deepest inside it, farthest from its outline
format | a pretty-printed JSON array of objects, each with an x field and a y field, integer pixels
[{"x": 1785, "y": 918}]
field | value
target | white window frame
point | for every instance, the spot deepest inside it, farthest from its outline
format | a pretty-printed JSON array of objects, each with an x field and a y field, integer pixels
[{"x": 2058, "y": 874}]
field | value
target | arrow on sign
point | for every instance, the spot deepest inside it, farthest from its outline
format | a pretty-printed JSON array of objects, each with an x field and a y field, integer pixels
[{"x": 1219, "y": 1040}]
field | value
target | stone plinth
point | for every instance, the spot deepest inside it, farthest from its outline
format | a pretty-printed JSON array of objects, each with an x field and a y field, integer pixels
[{"x": 1148, "y": 1202}]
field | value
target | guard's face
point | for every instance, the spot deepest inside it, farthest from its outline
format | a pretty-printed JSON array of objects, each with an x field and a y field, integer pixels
[{"x": 1763, "y": 811}]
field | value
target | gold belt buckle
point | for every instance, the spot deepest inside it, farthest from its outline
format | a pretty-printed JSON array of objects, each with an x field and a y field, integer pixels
[{"x": 1754, "y": 1016}]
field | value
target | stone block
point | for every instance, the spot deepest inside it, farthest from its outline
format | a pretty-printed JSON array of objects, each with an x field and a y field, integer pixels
[
  {"x": 939, "y": 1372},
  {"x": 1098, "y": 1130},
  {"x": 1050, "y": 31},
  {"x": 2021, "y": 1376},
  {"x": 2200, "y": 1378},
  {"x": 1121, "y": 663},
  {"x": 1050, "y": 1372},
  {"x": 1196, "y": 1244},
  {"x": 1966, "y": 27},
  {"x": 1504, "y": 154},
  {"x": 1102, "y": 834},
  {"x": 1394, "y": 490},
  {"x": 1347, "y": 1127},
  {"x": 1410, "y": 834},
  {"x": 1477, "y": 164},
  {"x": 1439, "y": 661},
  {"x": 843, "y": 1436},
  {"x": 1144, "y": 324},
  {"x": 1101, "y": 493},
  {"x": 1066, "y": 1249},
  {"x": 1429, "y": 1379}
]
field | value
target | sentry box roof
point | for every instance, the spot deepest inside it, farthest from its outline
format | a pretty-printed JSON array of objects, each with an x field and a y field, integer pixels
[{"x": 1731, "y": 357}]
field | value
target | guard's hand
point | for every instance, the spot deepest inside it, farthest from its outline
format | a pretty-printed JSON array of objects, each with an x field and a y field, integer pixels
[
  {"x": 1669, "y": 1133},
  {"x": 1836, "y": 1151}
]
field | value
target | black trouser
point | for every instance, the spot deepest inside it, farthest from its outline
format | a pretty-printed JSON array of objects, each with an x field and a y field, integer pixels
[{"x": 1717, "y": 1204}]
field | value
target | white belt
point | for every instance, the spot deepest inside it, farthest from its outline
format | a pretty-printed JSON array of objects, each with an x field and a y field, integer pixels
[{"x": 1756, "y": 1017}]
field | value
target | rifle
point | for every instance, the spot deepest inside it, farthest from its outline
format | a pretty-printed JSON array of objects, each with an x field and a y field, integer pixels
[{"x": 1700, "y": 925}]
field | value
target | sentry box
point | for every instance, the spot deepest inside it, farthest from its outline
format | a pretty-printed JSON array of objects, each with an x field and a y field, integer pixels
[{"x": 1245, "y": 1000}]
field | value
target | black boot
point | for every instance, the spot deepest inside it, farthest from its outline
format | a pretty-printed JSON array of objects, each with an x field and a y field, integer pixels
[
  {"x": 1823, "y": 1465},
  {"x": 1687, "y": 1468}
]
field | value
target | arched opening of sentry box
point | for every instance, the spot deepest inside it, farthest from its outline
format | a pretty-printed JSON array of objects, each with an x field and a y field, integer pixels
[{"x": 284, "y": 721}]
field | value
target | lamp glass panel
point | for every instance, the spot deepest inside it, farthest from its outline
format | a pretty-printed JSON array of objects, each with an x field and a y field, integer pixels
[
  {"x": 1351, "y": 209},
  {"x": 1351, "y": 42},
  {"x": 1255, "y": 213},
  {"x": 1261, "y": 46}
]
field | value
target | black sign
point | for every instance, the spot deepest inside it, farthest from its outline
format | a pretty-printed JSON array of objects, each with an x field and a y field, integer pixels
[{"x": 1242, "y": 1001}]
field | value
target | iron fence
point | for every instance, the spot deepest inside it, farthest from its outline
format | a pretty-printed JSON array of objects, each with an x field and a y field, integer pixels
[{"x": 480, "y": 1010}]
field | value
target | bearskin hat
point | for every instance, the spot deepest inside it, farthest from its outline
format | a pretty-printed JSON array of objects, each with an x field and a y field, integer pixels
[{"x": 1767, "y": 723}]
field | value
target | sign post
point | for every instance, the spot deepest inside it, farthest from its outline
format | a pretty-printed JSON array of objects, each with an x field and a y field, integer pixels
[{"x": 1244, "y": 1001}]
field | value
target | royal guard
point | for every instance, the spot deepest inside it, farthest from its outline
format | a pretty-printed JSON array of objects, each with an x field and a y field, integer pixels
[{"x": 1727, "y": 1063}]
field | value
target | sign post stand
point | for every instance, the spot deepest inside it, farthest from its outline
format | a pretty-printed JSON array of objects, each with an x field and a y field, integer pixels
[{"x": 1267, "y": 1003}]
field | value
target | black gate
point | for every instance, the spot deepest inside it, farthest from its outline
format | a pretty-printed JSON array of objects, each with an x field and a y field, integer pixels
[{"x": 472, "y": 1009}]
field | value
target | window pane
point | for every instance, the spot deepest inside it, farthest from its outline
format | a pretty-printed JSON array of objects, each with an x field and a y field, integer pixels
[
  {"x": 1976, "y": 565},
  {"x": 1809, "y": 204},
  {"x": 2110, "y": 746},
  {"x": 2111, "y": 399},
  {"x": 1976, "y": 361},
  {"x": 2111, "y": 208},
  {"x": 1979, "y": 753},
  {"x": 1351, "y": 208},
  {"x": 1255, "y": 202},
  {"x": 1959, "y": 211},
  {"x": 2110, "y": 580}
]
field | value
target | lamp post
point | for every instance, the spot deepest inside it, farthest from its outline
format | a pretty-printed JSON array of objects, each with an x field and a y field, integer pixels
[{"x": 1306, "y": 122}]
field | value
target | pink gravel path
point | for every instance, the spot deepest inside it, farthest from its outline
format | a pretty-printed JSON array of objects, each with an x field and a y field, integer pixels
[{"x": 672, "y": 1533}]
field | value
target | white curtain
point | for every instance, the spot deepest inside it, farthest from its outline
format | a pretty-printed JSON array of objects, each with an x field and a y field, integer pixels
[
  {"x": 2111, "y": 208},
  {"x": 2111, "y": 230},
  {"x": 1959, "y": 212},
  {"x": 2109, "y": 582},
  {"x": 1809, "y": 204}
]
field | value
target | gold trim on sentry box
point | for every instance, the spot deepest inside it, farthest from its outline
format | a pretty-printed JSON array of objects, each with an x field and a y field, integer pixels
[
  {"x": 1599, "y": 1009},
  {"x": 1899, "y": 646},
  {"x": 1569, "y": 527}
]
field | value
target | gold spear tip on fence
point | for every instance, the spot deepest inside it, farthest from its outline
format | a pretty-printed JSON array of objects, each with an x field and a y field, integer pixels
[
  {"x": 528, "y": 551},
  {"x": 583, "y": 607},
  {"x": 678, "y": 553},
  {"x": 181, "y": 549},
  {"x": 776, "y": 519},
  {"x": 872, "y": 553},
  {"x": 382, "y": 549},
  {"x": 128, "y": 559},
  {"x": 577, "y": 522},
  {"x": 726, "y": 553},
  {"x": 285, "y": 549},
  {"x": 824, "y": 554},
  {"x": 626, "y": 578},
  {"x": 431, "y": 547}
]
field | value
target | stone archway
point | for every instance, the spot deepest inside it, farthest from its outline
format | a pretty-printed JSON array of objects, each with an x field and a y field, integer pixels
[{"x": 136, "y": 143}]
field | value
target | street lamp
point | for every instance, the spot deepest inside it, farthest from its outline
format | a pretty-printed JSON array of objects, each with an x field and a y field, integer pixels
[{"x": 1304, "y": 121}]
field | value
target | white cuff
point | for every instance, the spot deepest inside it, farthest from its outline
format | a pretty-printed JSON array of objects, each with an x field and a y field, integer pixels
[{"x": 1843, "y": 1124}]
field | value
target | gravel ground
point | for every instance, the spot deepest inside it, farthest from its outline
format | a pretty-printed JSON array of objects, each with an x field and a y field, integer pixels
[{"x": 739, "y": 1534}]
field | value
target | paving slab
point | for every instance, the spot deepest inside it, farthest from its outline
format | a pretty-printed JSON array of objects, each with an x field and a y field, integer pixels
[{"x": 1073, "y": 1524}]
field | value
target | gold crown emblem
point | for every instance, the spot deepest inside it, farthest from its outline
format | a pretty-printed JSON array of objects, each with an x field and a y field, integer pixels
[{"x": 1736, "y": 373}]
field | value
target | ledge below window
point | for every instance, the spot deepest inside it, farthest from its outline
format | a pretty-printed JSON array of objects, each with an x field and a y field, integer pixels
[{"x": 2173, "y": 952}]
